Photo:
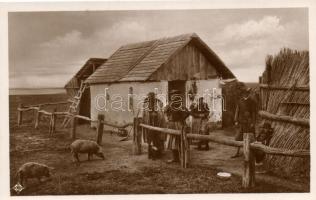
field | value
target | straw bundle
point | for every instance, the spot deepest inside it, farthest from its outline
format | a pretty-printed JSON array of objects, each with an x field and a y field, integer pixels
[{"x": 289, "y": 69}]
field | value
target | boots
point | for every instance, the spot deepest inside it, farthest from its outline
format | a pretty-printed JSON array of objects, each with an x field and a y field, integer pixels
[
  {"x": 175, "y": 157},
  {"x": 237, "y": 153}
]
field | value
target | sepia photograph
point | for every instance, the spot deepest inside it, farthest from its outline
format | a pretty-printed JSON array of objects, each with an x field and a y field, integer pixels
[{"x": 159, "y": 101}]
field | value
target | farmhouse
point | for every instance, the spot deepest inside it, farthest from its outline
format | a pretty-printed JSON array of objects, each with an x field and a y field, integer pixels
[
  {"x": 73, "y": 85},
  {"x": 184, "y": 63}
]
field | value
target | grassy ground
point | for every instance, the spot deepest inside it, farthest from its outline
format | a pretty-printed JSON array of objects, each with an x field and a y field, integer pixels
[{"x": 121, "y": 172}]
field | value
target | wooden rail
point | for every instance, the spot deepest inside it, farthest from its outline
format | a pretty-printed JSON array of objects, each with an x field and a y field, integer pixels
[
  {"x": 248, "y": 144},
  {"x": 232, "y": 142},
  {"x": 300, "y": 88},
  {"x": 49, "y": 104},
  {"x": 162, "y": 130},
  {"x": 280, "y": 152},
  {"x": 284, "y": 118}
]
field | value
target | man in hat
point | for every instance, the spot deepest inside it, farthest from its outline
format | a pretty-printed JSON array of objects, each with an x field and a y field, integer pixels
[
  {"x": 176, "y": 113},
  {"x": 245, "y": 115}
]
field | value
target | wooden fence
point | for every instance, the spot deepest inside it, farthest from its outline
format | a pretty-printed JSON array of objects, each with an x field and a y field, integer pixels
[
  {"x": 54, "y": 114},
  {"x": 248, "y": 144}
]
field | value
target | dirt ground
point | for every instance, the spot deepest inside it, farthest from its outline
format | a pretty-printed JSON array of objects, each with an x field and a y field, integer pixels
[{"x": 121, "y": 172}]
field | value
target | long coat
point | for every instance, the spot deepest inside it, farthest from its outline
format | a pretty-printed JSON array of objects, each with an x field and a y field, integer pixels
[
  {"x": 154, "y": 118},
  {"x": 245, "y": 115}
]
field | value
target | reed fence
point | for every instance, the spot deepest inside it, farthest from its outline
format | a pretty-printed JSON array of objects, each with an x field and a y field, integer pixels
[{"x": 285, "y": 104}]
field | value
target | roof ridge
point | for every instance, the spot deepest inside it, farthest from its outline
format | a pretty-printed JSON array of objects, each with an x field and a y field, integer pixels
[{"x": 191, "y": 35}]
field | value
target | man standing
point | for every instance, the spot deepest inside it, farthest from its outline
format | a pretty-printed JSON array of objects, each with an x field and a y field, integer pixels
[
  {"x": 245, "y": 116},
  {"x": 200, "y": 114},
  {"x": 153, "y": 115},
  {"x": 176, "y": 113}
]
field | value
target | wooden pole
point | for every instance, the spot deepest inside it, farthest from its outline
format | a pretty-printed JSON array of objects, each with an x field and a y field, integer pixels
[
  {"x": 73, "y": 128},
  {"x": 184, "y": 148},
  {"x": 53, "y": 122},
  {"x": 283, "y": 118},
  {"x": 100, "y": 128},
  {"x": 248, "y": 179},
  {"x": 137, "y": 136},
  {"x": 271, "y": 87},
  {"x": 37, "y": 117},
  {"x": 20, "y": 117}
]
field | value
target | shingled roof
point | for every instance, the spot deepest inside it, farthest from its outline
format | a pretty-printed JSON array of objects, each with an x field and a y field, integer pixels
[{"x": 137, "y": 62}]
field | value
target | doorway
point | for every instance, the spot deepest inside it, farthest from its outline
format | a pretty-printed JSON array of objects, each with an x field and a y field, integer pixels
[
  {"x": 180, "y": 86},
  {"x": 85, "y": 105}
]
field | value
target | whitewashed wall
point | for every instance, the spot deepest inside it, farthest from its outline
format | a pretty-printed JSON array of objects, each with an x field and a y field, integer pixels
[
  {"x": 212, "y": 95},
  {"x": 118, "y": 95}
]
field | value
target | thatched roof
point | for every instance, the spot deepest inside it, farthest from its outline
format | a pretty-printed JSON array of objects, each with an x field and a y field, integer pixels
[
  {"x": 85, "y": 71},
  {"x": 287, "y": 96},
  {"x": 137, "y": 62}
]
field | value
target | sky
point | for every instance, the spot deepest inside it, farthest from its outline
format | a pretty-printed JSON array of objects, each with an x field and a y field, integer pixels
[{"x": 47, "y": 48}]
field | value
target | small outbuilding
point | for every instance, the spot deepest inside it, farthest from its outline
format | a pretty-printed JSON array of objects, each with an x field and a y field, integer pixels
[
  {"x": 184, "y": 63},
  {"x": 73, "y": 85}
]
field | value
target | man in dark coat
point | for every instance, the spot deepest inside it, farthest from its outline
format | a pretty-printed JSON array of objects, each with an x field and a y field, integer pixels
[
  {"x": 153, "y": 115},
  {"x": 245, "y": 116}
]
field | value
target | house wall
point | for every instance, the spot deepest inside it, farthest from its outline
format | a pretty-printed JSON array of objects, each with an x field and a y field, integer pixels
[{"x": 116, "y": 107}]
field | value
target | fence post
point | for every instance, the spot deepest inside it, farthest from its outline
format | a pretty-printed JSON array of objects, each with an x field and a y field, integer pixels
[
  {"x": 53, "y": 122},
  {"x": 137, "y": 136},
  {"x": 37, "y": 117},
  {"x": 100, "y": 128},
  {"x": 20, "y": 114},
  {"x": 186, "y": 147},
  {"x": 73, "y": 127},
  {"x": 248, "y": 179},
  {"x": 183, "y": 147}
]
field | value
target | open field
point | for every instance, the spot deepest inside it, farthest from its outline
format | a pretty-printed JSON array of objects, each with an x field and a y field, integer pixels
[{"x": 121, "y": 172}]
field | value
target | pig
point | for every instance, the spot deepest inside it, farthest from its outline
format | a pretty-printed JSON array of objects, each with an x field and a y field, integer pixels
[
  {"x": 33, "y": 170},
  {"x": 85, "y": 146}
]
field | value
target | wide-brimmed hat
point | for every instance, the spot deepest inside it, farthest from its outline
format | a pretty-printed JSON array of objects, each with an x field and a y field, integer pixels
[{"x": 151, "y": 94}]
